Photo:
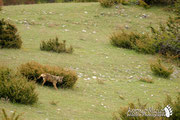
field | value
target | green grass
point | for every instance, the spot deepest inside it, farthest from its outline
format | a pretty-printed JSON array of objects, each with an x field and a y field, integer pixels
[{"x": 93, "y": 56}]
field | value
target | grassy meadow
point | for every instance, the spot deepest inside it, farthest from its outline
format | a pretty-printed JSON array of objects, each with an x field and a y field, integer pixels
[{"x": 106, "y": 73}]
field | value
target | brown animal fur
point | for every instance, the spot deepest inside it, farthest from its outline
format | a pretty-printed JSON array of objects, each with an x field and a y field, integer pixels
[{"x": 51, "y": 78}]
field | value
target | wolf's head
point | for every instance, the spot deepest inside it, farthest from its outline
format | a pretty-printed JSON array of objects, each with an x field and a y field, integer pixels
[
  {"x": 42, "y": 75},
  {"x": 60, "y": 78}
]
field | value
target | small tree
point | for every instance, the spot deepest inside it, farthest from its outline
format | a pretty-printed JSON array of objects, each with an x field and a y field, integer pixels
[{"x": 9, "y": 38}]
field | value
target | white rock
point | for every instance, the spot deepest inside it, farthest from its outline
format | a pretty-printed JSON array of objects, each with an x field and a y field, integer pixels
[
  {"x": 84, "y": 31},
  {"x": 66, "y": 30}
]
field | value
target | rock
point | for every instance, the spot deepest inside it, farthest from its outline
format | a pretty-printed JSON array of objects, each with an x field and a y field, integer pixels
[{"x": 84, "y": 31}]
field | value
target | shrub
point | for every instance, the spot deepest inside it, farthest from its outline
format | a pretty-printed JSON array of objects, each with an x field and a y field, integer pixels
[
  {"x": 167, "y": 37},
  {"x": 16, "y": 88},
  {"x": 177, "y": 7},
  {"x": 122, "y": 40},
  {"x": 143, "y": 4},
  {"x": 86, "y": 0},
  {"x": 158, "y": 69},
  {"x": 12, "y": 117},
  {"x": 123, "y": 111},
  {"x": 106, "y": 3},
  {"x": 139, "y": 42},
  {"x": 55, "y": 46},
  {"x": 32, "y": 70},
  {"x": 122, "y": 114},
  {"x": 9, "y": 38},
  {"x": 175, "y": 105},
  {"x": 146, "y": 79},
  {"x": 166, "y": 2}
]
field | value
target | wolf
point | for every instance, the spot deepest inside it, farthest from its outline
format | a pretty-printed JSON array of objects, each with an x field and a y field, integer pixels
[{"x": 51, "y": 78}]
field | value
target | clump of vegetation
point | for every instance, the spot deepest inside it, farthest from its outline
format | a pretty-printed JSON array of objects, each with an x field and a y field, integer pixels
[
  {"x": 146, "y": 79},
  {"x": 9, "y": 38},
  {"x": 139, "y": 42},
  {"x": 84, "y": 0},
  {"x": 167, "y": 37},
  {"x": 106, "y": 3},
  {"x": 159, "y": 69},
  {"x": 177, "y": 7},
  {"x": 164, "y": 2},
  {"x": 11, "y": 117},
  {"x": 124, "y": 112},
  {"x": 16, "y": 88},
  {"x": 32, "y": 70},
  {"x": 165, "y": 40},
  {"x": 55, "y": 46},
  {"x": 143, "y": 4}
]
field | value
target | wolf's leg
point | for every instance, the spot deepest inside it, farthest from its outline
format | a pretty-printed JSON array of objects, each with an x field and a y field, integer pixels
[
  {"x": 55, "y": 86},
  {"x": 43, "y": 81}
]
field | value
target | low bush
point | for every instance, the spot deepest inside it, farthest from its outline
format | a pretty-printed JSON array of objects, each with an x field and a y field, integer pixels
[
  {"x": 124, "y": 113},
  {"x": 9, "y": 38},
  {"x": 167, "y": 37},
  {"x": 165, "y": 2},
  {"x": 32, "y": 70},
  {"x": 164, "y": 40},
  {"x": 143, "y": 4},
  {"x": 159, "y": 69},
  {"x": 177, "y": 7},
  {"x": 122, "y": 40},
  {"x": 86, "y": 0},
  {"x": 55, "y": 46},
  {"x": 106, "y": 3},
  {"x": 146, "y": 79},
  {"x": 139, "y": 42},
  {"x": 16, "y": 88}
]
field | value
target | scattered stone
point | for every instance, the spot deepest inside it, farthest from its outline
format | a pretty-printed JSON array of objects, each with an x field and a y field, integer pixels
[
  {"x": 84, "y": 31},
  {"x": 66, "y": 30},
  {"x": 94, "y": 32},
  {"x": 93, "y": 105}
]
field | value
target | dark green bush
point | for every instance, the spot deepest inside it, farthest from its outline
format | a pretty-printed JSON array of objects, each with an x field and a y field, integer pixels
[
  {"x": 16, "y": 88},
  {"x": 9, "y": 38},
  {"x": 164, "y": 40},
  {"x": 139, "y": 42},
  {"x": 106, "y": 3},
  {"x": 32, "y": 70},
  {"x": 143, "y": 4},
  {"x": 167, "y": 37},
  {"x": 86, "y": 0},
  {"x": 175, "y": 105},
  {"x": 159, "y": 69},
  {"x": 177, "y": 7},
  {"x": 55, "y": 46},
  {"x": 166, "y": 2}
]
